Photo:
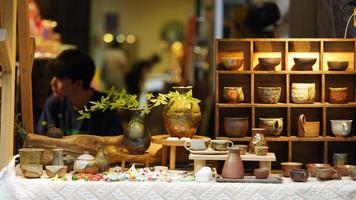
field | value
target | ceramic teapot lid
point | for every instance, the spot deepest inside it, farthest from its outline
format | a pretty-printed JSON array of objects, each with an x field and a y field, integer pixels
[{"x": 86, "y": 156}]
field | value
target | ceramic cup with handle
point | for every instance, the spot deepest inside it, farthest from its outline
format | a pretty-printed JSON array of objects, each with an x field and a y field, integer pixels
[
  {"x": 221, "y": 145},
  {"x": 341, "y": 127},
  {"x": 195, "y": 145}
]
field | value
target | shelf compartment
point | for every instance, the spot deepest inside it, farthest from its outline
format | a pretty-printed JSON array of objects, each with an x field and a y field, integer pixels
[
  {"x": 264, "y": 80},
  {"x": 340, "y": 81},
  {"x": 268, "y": 49},
  {"x": 306, "y": 152},
  {"x": 341, "y": 147},
  {"x": 236, "y": 80},
  {"x": 339, "y": 51},
  {"x": 238, "y": 49},
  {"x": 311, "y": 114},
  {"x": 340, "y": 113},
  {"x": 272, "y": 113},
  {"x": 307, "y": 79}
]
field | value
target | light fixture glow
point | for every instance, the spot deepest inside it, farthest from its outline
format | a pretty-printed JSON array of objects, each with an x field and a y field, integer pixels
[
  {"x": 130, "y": 39},
  {"x": 120, "y": 38},
  {"x": 108, "y": 37}
]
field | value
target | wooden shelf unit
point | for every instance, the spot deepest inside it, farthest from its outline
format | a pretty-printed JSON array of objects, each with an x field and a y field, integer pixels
[{"x": 288, "y": 146}]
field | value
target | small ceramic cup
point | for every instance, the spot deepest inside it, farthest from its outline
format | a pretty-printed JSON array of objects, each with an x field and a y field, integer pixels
[
  {"x": 352, "y": 173},
  {"x": 327, "y": 173},
  {"x": 341, "y": 128},
  {"x": 243, "y": 148},
  {"x": 261, "y": 150},
  {"x": 195, "y": 145},
  {"x": 299, "y": 175},
  {"x": 339, "y": 159},
  {"x": 53, "y": 170},
  {"x": 221, "y": 145},
  {"x": 261, "y": 173},
  {"x": 287, "y": 167},
  {"x": 233, "y": 94}
]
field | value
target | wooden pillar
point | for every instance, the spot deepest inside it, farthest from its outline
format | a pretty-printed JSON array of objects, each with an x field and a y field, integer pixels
[{"x": 7, "y": 61}]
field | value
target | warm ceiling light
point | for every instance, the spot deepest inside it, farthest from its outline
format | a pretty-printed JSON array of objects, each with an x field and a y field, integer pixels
[
  {"x": 130, "y": 39},
  {"x": 120, "y": 38},
  {"x": 108, "y": 37},
  {"x": 176, "y": 46}
]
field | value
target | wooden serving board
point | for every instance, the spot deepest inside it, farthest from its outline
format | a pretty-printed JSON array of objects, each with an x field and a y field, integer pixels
[{"x": 250, "y": 179}]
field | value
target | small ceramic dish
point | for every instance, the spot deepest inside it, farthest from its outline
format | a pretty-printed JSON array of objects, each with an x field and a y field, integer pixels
[{"x": 53, "y": 170}]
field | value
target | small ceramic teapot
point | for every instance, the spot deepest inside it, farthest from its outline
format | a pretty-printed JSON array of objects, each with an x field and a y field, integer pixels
[{"x": 86, "y": 163}]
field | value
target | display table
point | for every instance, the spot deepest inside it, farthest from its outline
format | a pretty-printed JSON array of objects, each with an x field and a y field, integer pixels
[
  {"x": 173, "y": 144},
  {"x": 265, "y": 161},
  {"x": 43, "y": 189}
]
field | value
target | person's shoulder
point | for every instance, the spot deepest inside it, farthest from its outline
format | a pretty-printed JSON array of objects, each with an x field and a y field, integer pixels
[{"x": 52, "y": 100}]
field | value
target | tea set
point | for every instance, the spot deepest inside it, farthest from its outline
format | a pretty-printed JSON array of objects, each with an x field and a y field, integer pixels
[{"x": 206, "y": 147}]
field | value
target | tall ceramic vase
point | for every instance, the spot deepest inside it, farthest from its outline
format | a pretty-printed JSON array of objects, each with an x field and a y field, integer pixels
[
  {"x": 181, "y": 117},
  {"x": 233, "y": 167},
  {"x": 136, "y": 139}
]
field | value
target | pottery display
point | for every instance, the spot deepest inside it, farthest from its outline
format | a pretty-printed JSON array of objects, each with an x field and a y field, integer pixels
[
  {"x": 257, "y": 139},
  {"x": 31, "y": 170},
  {"x": 273, "y": 126},
  {"x": 261, "y": 173},
  {"x": 243, "y": 148},
  {"x": 86, "y": 163},
  {"x": 270, "y": 95},
  {"x": 233, "y": 167},
  {"x": 31, "y": 156},
  {"x": 269, "y": 63},
  {"x": 299, "y": 175},
  {"x": 338, "y": 65},
  {"x": 101, "y": 160},
  {"x": 53, "y": 170},
  {"x": 339, "y": 159},
  {"x": 308, "y": 129},
  {"x": 303, "y": 92},
  {"x": 57, "y": 157},
  {"x": 236, "y": 126},
  {"x": 352, "y": 173},
  {"x": 304, "y": 64},
  {"x": 231, "y": 63},
  {"x": 341, "y": 128},
  {"x": 196, "y": 145},
  {"x": 181, "y": 117},
  {"x": 312, "y": 168},
  {"x": 327, "y": 173},
  {"x": 344, "y": 169},
  {"x": 136, "y": 139},
  {"x": 338, "y": 95},
  {"x": 287, "y": 167},
  {"x": 221, "y": 145},
  {"x": 233, "y": 94}
]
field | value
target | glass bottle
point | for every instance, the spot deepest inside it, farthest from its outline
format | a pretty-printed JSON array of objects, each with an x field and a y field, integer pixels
[{"x": 257, "y": 139}]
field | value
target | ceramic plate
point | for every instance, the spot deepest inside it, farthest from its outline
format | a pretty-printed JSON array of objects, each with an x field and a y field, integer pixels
[{"x": 209, "y": 151}]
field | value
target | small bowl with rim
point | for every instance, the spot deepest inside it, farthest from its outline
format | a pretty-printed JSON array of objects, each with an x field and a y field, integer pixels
[
  {"x": 313, "y": 168},
  {"x": 338, "y": 65},
  {"x": 261, "y": 173},
  {"x": 299, "y": 175},
  {"x": 289, "y": 166}
]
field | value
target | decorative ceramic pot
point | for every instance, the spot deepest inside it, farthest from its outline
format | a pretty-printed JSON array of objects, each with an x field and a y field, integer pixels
[
  {"x": 181, "y": 116},
  {"x": 303, "y": 92},
  {"x": 233, "y": 94},
  {"x": 86, "y": 163},
  {"x": 136, "y": 139},
  {"x": 273, "y": 126},
  {"x": 101, "y": 160},
  {"x": 338, "y": 95},
  {"x": 269, "y": 95},
  {"x": 231, "y": 63},
  {"x": 289, "y": 166},
  {"x": 233, "y": 167},
  {"x": 57, "y": 157},
  {"x": 31, "y": 156},
  {"x": 236, "y": 126},
  {"x": 341, "y": 128},
  {"x": 257, "y": 139}
]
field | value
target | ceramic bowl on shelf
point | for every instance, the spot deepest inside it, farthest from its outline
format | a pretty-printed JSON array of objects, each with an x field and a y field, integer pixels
[
  {"x": 289, "y": 166},
  {"x": 269, "y": 64},
  {"x": 261, "y": 173},
  {"x": 299, "y": 175},
  {"x": 341, "y": 128},
  {"x": 304, "y": 64},
  {"x": 231, "y": 63},
  {"x": 303, "y": 93},
  {"x": 270, "y": 95},
  {"x": 236, "y": 126},
  {"x": 338, "y": 95},
  {"x": 313, "y": 167},
  {"x": 273, "y": 126},
  {"x": 338, "y": 65},
  {"x": 261, "y": 150},
  {"x": 233, "y": 94}
]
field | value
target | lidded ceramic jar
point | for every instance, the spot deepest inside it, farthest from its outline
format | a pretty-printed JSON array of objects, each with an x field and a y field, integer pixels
[
  {"x": 233, "y": 167},
  {"x": 85, "y": 163}
]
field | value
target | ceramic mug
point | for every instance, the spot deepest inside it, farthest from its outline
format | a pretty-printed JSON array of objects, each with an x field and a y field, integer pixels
[
  {"x": 273, "y": 126},
  {"x": 195, "y": 145},
  {"x": 341, "y": 127},
  {"x": 221, "y": 145},
  {"x": 327, "y": 173}
]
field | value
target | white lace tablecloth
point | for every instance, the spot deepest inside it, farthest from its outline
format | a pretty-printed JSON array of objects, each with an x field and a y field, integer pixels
[{"x": 14, "y": 187}]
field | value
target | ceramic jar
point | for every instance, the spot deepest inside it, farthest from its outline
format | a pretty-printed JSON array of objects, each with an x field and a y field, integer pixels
[
  {"x": 233, "y": 167},
  {"x": 257, "y": 139},
  {"x": 233, "y": 94},
  {"x": 31, "y": 162},
  {"x": 338, "y": 95},
  {"x": 236, "y": 126},
  {"x": 273, "y": 126},
  {"x": 303, "y": 92},
  {"x": 270, "y": 95},
  {"x": 341, "y": 128},
  {"x": 181, "y": 117},
  {"x": 86, "y": 163},
  {"x": 101, "y": 160},
  {"x": 57, "y": 157}
]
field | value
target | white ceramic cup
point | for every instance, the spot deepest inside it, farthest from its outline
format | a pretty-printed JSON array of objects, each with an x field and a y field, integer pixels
[
  {"x": 195, "y": 145},
  {"x": 221, "y": 145},
  {"x": 341, "y": 127}
]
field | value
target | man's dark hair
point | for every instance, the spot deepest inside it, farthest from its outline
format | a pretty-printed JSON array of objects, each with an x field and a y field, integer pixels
[{"x": 75, "y": 65}]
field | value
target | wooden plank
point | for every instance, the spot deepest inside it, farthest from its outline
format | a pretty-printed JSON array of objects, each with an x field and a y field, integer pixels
[
  {"x": 4, "y": 52},
  {"x": 26, "y": 52},
  {"x": 8, "y": 85}
]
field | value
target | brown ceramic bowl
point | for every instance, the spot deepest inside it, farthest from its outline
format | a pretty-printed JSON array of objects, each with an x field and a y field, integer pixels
[
  {"x": 338, "y": 65},
  {"x": 236, "y": 126},
  {"x": 299, "y": 175},
  {"x": 289, "y": 166},
  {"x": 261, "y": 173},
  {"x": 344, "y": 169},
  {"x": 231, "y": 63},
  {"x": 304, "y": 64},
  {"x": 269, "y": 64},
  {"x": 312, "y": 168},
  {"x": 338, "y": 95}
]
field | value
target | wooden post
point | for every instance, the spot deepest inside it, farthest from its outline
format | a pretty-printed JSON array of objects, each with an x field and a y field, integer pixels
[
  {"x": 26, "y": 53},
  {"x": 8, "y": 61}
]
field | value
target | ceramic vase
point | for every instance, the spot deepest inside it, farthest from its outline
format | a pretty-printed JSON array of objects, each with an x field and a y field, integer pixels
[
  {"x": 233, "y": 167},
  {"x": 57, "y": 157},
  {"x": 181, "y": 117},
  {"x": 101, "y": 160}
]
